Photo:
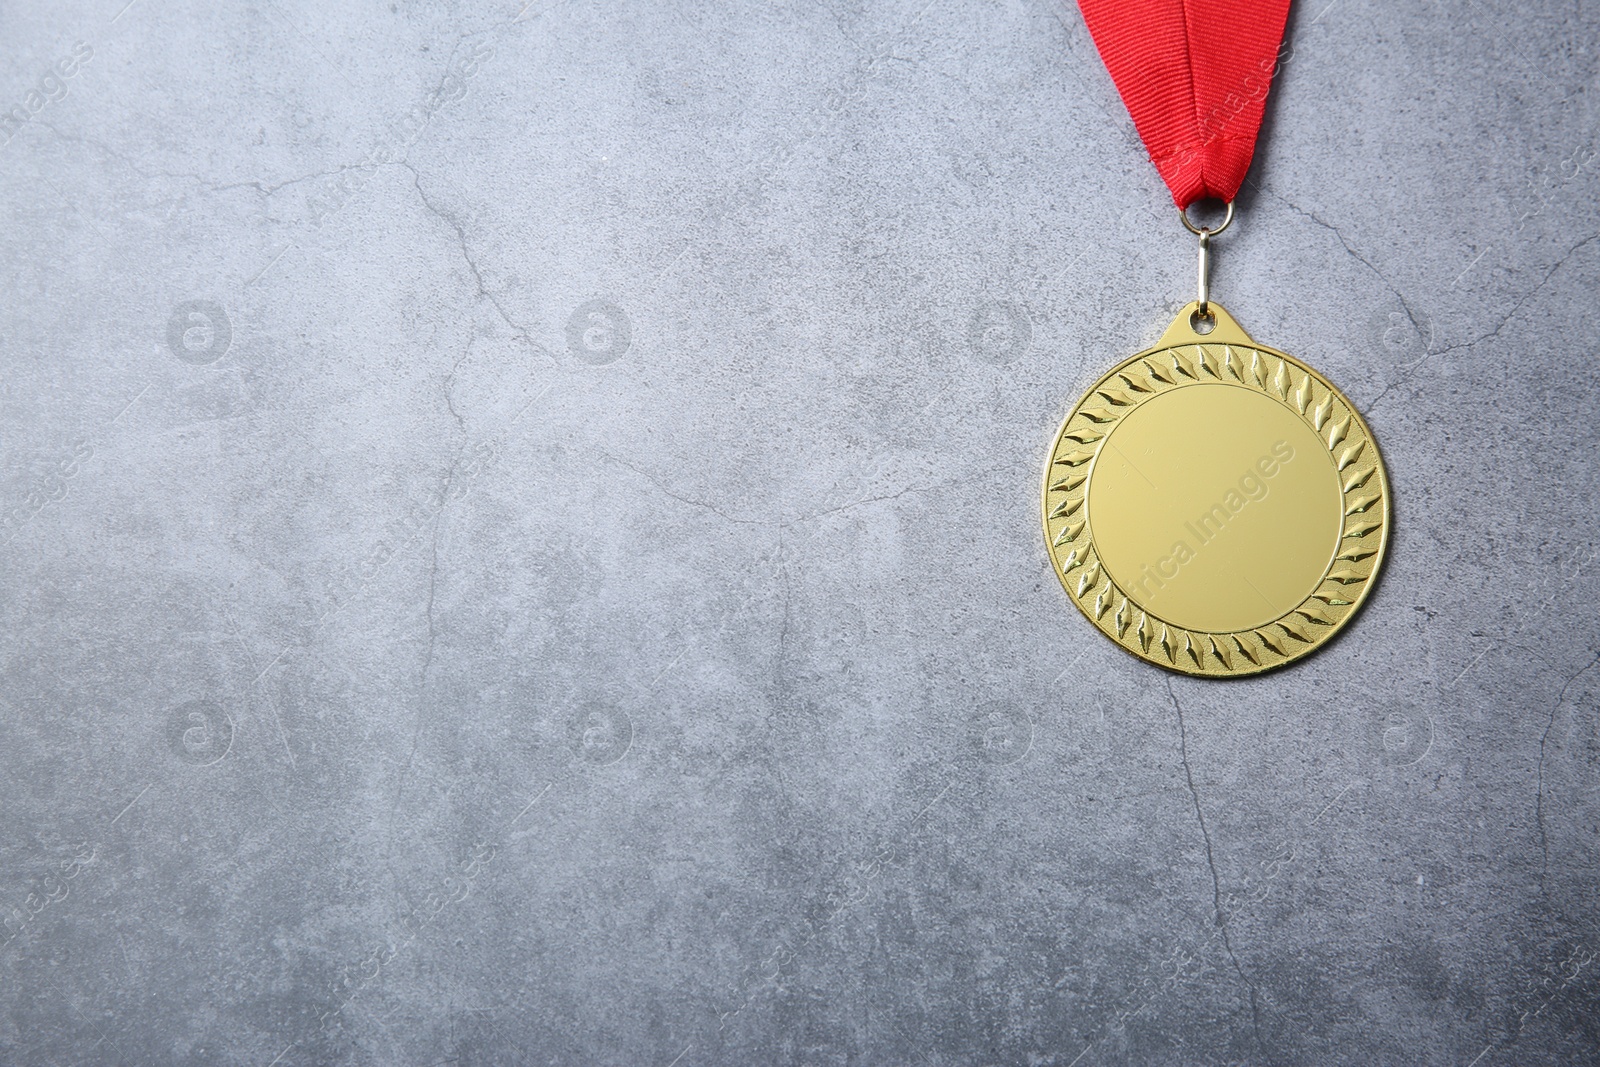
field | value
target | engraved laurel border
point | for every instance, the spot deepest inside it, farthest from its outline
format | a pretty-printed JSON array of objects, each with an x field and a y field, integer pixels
[{"x": 1346, "y": 581}]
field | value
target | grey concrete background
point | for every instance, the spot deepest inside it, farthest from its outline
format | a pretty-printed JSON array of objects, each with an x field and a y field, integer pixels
[{"x": 557, "y": 579}]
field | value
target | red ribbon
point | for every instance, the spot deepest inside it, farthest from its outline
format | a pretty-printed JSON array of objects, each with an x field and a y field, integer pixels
[{"x": 1195, "y": 75}]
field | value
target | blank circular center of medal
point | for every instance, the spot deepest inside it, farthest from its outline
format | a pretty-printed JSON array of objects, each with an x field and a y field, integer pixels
[{"x": 1214, "y": 507}]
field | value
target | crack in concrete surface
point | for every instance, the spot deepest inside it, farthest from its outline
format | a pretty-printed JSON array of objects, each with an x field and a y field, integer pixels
[{"x": 1211, "y": 864}]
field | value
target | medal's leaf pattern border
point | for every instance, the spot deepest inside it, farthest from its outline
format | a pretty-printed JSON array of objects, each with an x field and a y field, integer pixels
[{"x": 1350, "y": 574}]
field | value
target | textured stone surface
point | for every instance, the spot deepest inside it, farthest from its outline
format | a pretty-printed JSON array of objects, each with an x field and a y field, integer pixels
[{"x": 558, "y": 580}]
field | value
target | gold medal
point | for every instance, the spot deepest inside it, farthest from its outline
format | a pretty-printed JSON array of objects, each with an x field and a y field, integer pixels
[{"x": 1215, "y": 506}]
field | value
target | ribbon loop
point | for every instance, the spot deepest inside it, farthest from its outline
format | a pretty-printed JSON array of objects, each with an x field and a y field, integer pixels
[{"x": 1194, "y": 75}]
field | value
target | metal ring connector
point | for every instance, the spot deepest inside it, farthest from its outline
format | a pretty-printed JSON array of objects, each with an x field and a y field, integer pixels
[
  {"x": 1205, "y": 233},
  {"x": 1227, "y": 220}
]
